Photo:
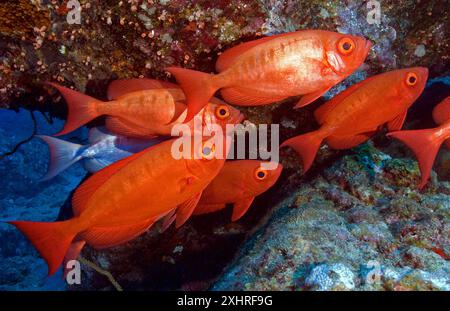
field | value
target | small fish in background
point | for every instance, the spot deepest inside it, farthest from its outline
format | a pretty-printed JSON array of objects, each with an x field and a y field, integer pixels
[
  {"x": 270, "y": 69},
  {"x": 354, "y": 115},
  {"x": 426, "y": 143},
  {"x": 141, "y": 108},
  {"x": 103, "y": 149},
  {"x": 238, "y": 183},
  {"x": 124, "y": 199}
]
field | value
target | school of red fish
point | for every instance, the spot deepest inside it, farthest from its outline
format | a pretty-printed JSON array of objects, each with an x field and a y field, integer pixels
[{"x": 125, "y": 196}]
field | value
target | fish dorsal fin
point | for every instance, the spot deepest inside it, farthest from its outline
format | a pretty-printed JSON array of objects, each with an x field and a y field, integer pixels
[
  {"x": 241, "y": 207},
  {"x": 321, "y": 113},
  {"x": 185, "y": 209},
  {"x": 231, "y": 55},
  {"x": 88, "y": 188},
  {"x": 397, "y": 123},
  {"x": 97, "y": 134},
  {"x": 118, "y": 88}
]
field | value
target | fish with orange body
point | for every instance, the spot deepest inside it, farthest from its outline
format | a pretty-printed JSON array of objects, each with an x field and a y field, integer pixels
[
  {"x": 270, "y": 69},
  {"x": 123, "y": 200},
  {"x": 426, "y": 143},
  {"x": 354, "y": 115},
  {"x": 238, "y": 183},
  {"x": 141, "y": 108}
]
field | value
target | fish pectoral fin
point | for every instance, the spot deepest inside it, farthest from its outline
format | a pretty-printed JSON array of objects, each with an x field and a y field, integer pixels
[
  {"x": 120, "y": 87},
  {"x": 347, "y": 142},
  {"x": 397, "y": 123},
  {"x": 185, "y": 209},
  {"x": 309, "y": 98},
  {"x": 243, "y": 97},
  {"x": 240, "y": 208}
]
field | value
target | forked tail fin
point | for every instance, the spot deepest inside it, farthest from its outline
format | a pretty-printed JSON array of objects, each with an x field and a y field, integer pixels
[
  {"x": 51, "y": 239},
  {"x": 306, "y": 146},
  {"x": 81, "y": 108},
  {"x": 197, "y": 86},
  {"x": 62, "y": 155},
  {"x": 425, "y": 145}
]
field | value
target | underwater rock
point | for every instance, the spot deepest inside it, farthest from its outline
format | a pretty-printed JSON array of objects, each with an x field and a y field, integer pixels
[
  {"x": 23, "y": 196},
  {"x": 360, "y": 225}
]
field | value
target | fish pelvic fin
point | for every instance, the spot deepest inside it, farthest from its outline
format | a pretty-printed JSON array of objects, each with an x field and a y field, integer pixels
[
  {"x": 198, "y": 87},
  {"x": 51, "y": 239},
  {"x": 306, "y": 146},
  {"x": 62, "y": 155},
  {"x": 425, "y": 144},
  {"x": 81, "y": 109}
]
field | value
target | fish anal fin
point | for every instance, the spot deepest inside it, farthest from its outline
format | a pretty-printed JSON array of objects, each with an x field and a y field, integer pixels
[
  {"x": 242, "y": 97},
  {"x": 185, "y": 209},
  {"x": 309, "y": 98},
  {"x": 87, "y": 188},
  {"x": 227, "y": 58},
  {"x": 105, "y": 237},
  {"x": 241, "y": 207},
  {"x": 118, "y": 88},
  {"x": 397, "y": 123},
  {"x": 347, "y": 142}
]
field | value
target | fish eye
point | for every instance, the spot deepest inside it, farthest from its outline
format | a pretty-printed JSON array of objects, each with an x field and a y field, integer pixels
[
  {"x": 222, "y": 112},
  {"x": 208, "y": 150},
  {"x": 260, "y": 173},
  {"x": 346, "y": 46},
  {"x": 411, "y": 79}
]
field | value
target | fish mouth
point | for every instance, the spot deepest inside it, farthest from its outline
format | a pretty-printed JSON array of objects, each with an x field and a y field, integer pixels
[{"x": 239, "y": 118}]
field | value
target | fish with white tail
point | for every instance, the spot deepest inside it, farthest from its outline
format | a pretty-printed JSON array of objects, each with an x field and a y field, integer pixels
[{"x": 102, "y": 150}]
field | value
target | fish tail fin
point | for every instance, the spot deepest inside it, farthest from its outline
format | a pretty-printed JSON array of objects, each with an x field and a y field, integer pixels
[
  {"x": 51, "y": 239},
  {"x": 425, "y": 145},
  {"x": 197, "y": 86},
  {"x": 62, "y": 155},
  {"x": 81, "y": 108},
  {"x": 306, "y": 146}
]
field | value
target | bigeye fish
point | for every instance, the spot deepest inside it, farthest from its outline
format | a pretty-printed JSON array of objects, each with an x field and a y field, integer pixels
[
  {"x": 102, "y": 150},
  {"x": 238, "y": 183},
  {"x": 124, "y": 199},
  {"x": 270, "y": 69},
  {"x": 354, "y": 115},
  {"x": 141, "y": 108},
  {"x": 426, "y": 143}
]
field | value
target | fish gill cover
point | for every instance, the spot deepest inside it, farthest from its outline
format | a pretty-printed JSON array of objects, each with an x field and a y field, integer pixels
[{"x": 356, "y": 221}]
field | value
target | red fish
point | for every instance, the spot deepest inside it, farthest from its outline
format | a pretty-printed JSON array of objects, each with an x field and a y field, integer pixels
[
  {"x": 125, "y": 199},
  {"x": 426, "y": 143},
  {"x": 354, "y": 115},
  {"x": 238, "y": 183},
  {"x": 141, "y": 108},
  {"x": 270, "y": 69}
]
